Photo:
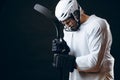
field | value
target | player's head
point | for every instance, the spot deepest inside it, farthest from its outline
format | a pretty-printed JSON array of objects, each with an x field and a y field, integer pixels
[{"x": 69, "y": 12}]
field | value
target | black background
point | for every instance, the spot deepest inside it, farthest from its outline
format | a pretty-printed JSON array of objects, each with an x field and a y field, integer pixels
[{"x": 26, "y": 35}]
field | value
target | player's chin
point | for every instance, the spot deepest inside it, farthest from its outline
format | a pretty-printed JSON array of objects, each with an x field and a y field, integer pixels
[{"x": 74, "y": 28}]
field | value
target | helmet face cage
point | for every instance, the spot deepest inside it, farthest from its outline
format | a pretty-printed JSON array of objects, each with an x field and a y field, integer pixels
[{"x": 76, "y": 17}]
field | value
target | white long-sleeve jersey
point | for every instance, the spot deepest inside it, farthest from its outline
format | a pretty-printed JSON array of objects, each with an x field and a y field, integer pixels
[{"x": 91, "y": 46}]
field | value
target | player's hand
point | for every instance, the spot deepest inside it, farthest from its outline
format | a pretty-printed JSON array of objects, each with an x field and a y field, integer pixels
[
  {"x": 66, "y": 62},
  {"x": 60, "y": 46}
]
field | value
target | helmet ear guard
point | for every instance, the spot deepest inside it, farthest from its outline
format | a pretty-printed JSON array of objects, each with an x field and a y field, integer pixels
[{"x": 76, "y": 15}]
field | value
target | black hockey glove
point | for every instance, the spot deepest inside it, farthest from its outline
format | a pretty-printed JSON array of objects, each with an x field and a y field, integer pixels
[
  {"x": 61, "y": 58},
  {"x": 65, "y": 62},
  {"x": 59, "y": 46}
]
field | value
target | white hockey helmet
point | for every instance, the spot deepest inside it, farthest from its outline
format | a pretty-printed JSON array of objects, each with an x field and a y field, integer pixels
[{"x": 65, "y": 8}]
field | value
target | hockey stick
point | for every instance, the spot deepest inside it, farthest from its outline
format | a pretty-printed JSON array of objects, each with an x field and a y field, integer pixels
[
  {"x": 43, "y": 10},
  {"x": 64, "y": 75}
]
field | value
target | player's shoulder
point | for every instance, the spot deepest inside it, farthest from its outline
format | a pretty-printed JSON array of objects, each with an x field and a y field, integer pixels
[
  {"x": 100, "y": 21},
  {"x": 96, "y": 24}
]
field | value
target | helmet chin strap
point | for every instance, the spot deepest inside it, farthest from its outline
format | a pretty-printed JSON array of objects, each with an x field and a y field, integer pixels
[{"x": 76, "y": 28}]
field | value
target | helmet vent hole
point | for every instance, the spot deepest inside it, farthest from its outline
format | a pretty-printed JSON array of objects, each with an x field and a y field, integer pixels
[
  {"x": 65, "y": 15},
  {"x": 62, "y": 14},
  {"x": 69, "y": 1}
]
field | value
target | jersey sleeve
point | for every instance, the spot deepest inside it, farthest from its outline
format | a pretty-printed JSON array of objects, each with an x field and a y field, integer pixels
[{"x": 97, "y": 43}]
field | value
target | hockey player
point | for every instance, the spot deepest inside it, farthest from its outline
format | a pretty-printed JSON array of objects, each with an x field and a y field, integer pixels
[{"x": 89, "y": 40}]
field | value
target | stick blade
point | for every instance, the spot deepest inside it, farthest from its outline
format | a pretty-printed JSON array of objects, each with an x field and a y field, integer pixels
[{"x": 43, "y": 10}]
